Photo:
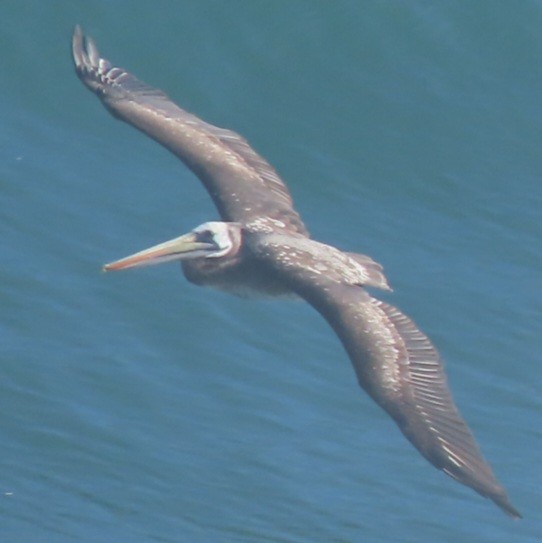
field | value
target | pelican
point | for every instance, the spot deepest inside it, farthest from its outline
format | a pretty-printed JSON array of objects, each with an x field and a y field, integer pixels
[{"x": 261, "y": 246}]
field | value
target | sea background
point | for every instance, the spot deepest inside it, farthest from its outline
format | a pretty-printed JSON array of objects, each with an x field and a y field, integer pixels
[{"x": 136, "y": 407}]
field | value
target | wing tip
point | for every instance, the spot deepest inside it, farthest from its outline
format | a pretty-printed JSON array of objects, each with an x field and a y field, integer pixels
[
  {"x": 84, "y": 49},
  {"x": 487, "y": 486},
  {"x": 84, "y": 52},
  {"x": 503, "y": 502},
  {"x": 94, "y": 71}
]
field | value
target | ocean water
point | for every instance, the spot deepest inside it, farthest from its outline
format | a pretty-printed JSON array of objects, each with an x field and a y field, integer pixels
[{"x": 136, "y": 407}]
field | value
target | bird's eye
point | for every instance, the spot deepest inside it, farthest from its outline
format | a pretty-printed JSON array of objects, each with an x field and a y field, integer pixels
[{"x": 206, "y": 236}]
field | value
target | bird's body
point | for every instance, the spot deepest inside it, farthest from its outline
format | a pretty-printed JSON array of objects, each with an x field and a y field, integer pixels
[{"x": 262, "y": 247}]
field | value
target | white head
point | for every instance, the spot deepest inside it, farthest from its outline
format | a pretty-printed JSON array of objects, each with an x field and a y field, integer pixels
[
  {"x": 219, "y": 234},
  {"x": 212, "y": 239}
]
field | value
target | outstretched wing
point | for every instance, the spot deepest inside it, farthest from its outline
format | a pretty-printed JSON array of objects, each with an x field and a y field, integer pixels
[
  {"x": 243, "y": 186},
  {"x": 396, "y": 365}
]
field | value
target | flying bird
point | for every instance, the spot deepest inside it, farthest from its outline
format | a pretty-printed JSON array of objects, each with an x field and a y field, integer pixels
[{"x": 261, "y": 246}]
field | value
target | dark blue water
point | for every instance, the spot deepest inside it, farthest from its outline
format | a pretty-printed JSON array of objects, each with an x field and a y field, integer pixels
[{"x": 136, "y": 407}]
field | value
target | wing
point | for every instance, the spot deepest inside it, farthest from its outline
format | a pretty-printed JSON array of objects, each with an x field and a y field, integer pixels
[
  {"x": 241, "y": 183},
  {"x": 397, "y": 366}
]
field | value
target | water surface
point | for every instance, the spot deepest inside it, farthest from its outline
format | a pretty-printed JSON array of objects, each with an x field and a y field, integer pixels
[{"x": 136, "y": 407}]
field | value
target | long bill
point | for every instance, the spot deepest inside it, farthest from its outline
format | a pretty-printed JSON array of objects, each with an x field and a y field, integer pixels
[{"x": 183, "y": 247}]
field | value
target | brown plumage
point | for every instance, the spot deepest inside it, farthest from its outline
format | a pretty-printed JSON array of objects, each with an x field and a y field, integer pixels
[{"x": 262, "y": 246}]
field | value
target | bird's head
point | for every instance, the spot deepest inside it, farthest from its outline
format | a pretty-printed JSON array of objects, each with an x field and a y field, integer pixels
[{"x": 209, "y": 240}]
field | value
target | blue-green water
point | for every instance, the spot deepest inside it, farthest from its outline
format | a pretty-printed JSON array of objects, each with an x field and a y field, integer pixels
[{"x": 136, "y": 407}]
